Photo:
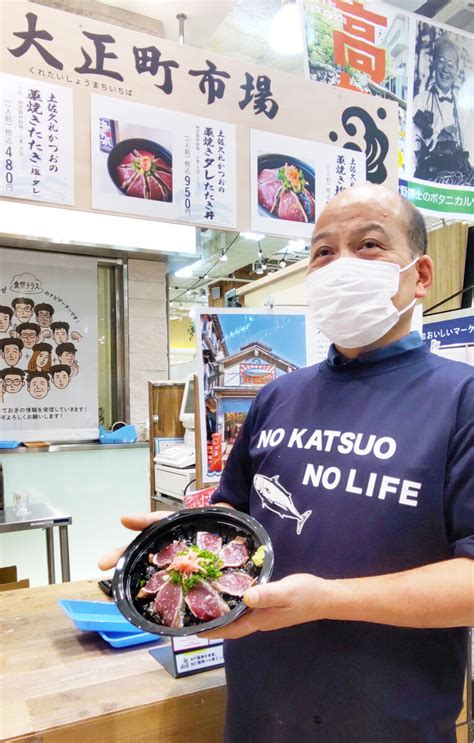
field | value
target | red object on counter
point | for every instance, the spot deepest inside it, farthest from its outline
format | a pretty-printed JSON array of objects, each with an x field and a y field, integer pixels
[{"x": 199, "y": 499}]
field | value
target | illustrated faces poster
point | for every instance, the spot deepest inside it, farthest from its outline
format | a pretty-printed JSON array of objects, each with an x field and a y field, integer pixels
[
  {"x": 36, "y": 140},
  {"x": 239, "y": 351},
  {"x": 48, "y": 347},
  {"x": 158, "y": 163},
  {"x": 293, "y": 179}
]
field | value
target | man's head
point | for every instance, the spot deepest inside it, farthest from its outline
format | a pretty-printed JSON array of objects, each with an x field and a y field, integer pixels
[
  {"x": 60, "y": 331},
  {"x": 23, "y": 308},
  {"x": 66, "y": 353},
  {"x": 13, "y": 379},
  {"x": 38, "y": 384},
  {"x": 60, "y": 375},
  {"x": 6, "y": 314},
  {"x": 29, "y": 333},
  {"x": 44, "y": 314},
  {"x": 445, "y": 63},
  {"x": 371, "y": 223},
  {"x": 10, "y": 349}
]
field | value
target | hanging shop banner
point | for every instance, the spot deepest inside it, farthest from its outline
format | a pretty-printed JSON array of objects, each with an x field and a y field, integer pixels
[
  {"x": 293, "y": 179},
  {"x": 48, "y": 347},
  {"x": 239, "y": 351},
  {"x": 201, "y": 107},
  {"x": 427, "y": 69},
  {"x": 36, "y": 140},
  {"x": 158, "y": 163}
]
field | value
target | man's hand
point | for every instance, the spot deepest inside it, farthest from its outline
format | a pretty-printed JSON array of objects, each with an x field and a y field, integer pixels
[
  {"x": 136, "y": 522},
  {"x": 294, "y": 600}
]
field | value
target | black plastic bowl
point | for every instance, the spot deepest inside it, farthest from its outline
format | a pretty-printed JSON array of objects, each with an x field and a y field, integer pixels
[
  {"x": 121, "y": 149},
  {"x": 273, "y": 161},
  {"x": 132, "y": 565}
]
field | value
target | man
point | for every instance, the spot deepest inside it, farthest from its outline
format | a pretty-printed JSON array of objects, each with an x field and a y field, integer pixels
[
  {"x": 66, "y": 353},
  {"x": 44, "y": 314},
  {"x": 23, "y": 308},
  {"x": 29, "y": 333},
  {"x": 10, "y": 350},
  {"x": 38, "y": 384},
  {"x": 360, "y": 635},
  {"x": 60, "y": 331},
  {"x": 439, "y": 139},
  {"x": 12, "y": 380},
  {"x": 6, "y": 314},
  {"x": 60, "y": 375}
]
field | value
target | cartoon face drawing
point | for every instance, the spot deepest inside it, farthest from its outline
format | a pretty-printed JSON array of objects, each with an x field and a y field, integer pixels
[
  {"x": 29, "y": 334},
  {"x": 13, "y": 382},
  {"x": 11, "y": 352},
  {"x": 38, "y": 387},
  {"x": 61, "y": 376},
  {"x": 67, "y": 358},
  {"x": 42, "y": 360},
  {"x": 60, "y": 335},
  {"x": 44, "y": 315},
  {"x": 6, "y": 314},
  {"x": 23, "y": 309}
]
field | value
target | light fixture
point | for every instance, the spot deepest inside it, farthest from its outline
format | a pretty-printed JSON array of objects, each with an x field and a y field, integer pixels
[
  {"x": 223, "y": 256},
  {"x": 185, "y": 272},
  {"x": 258, "y": 268},
  {"x": 282, "y": 263},
  {"x": 252, "y": 235},
  {"x": 206, "y": 276},
  {"x": 286, "y": 31}
]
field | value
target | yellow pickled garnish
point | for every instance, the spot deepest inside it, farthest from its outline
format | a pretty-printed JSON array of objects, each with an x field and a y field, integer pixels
[{"x": 259, "y": 556}]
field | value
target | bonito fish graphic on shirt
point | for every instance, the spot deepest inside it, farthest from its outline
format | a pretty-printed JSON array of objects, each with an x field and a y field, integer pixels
[{"x": 277, "y": 499}]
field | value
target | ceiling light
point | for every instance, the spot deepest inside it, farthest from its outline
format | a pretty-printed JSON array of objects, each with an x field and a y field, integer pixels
[
  {"x": 252, "y": 235},
  {"x": 185, "y": 272},
  {"x": 282, "y": 263},
  {"x": 206, "y": 276},
  {"x": 223, "y": 256},
  {"x": 258, "y": 268},
  {"x": 286, "y": 30}
]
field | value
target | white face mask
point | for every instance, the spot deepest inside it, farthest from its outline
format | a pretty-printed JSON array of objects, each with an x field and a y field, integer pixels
[{"x": 351, "y": 300}]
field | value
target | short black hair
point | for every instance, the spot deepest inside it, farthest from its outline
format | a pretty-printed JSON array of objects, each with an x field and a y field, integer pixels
[
  {"x": 42, "y": 347},
  {"x": 45, "y": 307},
  {"x": 23, "y": 300},
  {"x": 59, "y": 325},
  {"x": 56, "y": 368},
  {"x": 65, "y": 347},
  {"x": 34, "y": 374},
  {"x": 12, "y": 370},
  {"x": 28, "y": 326},
  {"x": 416, "y": 228},
  {"x": 4, "y": 310},
  {"x": 11, "y": 342}
]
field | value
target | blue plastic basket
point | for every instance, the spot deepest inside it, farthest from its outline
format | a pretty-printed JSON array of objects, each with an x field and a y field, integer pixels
[
  {"x": 98, "y": 616},
  {"x": 127, "y": 639}
]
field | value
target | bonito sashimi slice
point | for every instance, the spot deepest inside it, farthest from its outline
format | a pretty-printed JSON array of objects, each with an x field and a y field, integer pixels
[
  {"x": 235, "y": 553},
  {"x": 167, "y": 554},
  {"x": 153, "y": 585},
  {"x": 169, "y": 604},
  {"x": 235, "y": 584},
  {"x": 205, "y": 603},
  {"x": 206, "y": 540}
]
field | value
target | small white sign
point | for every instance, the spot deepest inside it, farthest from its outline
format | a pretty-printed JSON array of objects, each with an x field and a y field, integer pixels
[{"x": 200, "y": 660}]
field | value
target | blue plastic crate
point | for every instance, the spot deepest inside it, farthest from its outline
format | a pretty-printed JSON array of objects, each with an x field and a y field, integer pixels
[{"x": 125, "y": 640}]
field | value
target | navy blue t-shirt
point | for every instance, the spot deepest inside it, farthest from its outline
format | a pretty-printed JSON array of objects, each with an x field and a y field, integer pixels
[{"x": 355, "y": 469}]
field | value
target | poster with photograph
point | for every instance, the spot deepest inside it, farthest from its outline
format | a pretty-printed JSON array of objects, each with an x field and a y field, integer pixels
[
  {"x": 48, "y": 347},
  {"x": 159, "y": 163},
  {"x": 440, "y": 117},
  {"x": 239, "y": 351},
  {"x": 293, "y": 179},
  {"x": 36, "y": 140}
]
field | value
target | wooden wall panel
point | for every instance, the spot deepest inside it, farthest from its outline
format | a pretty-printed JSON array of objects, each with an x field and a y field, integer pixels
[{"x": 447, "y": 247}]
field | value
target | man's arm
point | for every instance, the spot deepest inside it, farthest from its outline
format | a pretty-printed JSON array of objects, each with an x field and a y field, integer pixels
[{"x": 432, "y": 596}]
